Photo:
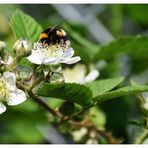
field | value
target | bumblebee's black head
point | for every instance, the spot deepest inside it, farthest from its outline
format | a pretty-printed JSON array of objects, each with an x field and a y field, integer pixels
[{"x": 53, "y": 36}]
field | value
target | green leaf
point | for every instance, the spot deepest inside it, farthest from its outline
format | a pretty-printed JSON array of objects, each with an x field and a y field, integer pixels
[
  {"x": 128, "y": 90},
  {"x": 134, "y": 46},
  {"x": 70, "y": 92},
  {"x": 24, "y": 26},
  {"x": 135, "y": 12},
  {"x": 102, "y": 86}
]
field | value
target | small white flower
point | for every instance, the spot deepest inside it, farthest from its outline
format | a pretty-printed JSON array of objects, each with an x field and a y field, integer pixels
[
  {"x": 9, "y": 92},
  {"x": 53, "y": 54},
  {"x": 78, "y": 74}
]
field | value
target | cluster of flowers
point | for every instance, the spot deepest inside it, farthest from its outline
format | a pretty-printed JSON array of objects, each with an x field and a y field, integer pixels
[{"x": 37, "y": 54}]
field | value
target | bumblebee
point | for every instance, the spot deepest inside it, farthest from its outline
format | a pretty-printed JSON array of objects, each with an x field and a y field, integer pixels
[{"x": 52, "y": 36}]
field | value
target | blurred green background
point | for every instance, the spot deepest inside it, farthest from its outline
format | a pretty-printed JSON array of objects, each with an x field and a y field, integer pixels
[{"x": 89, "y": 27}]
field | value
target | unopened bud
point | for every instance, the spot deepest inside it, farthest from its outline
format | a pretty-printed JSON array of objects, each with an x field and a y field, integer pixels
[
  {"x": 2, "y": 46},
  {"x": 56, "y": 78},
  {"x": 23, "y": 73},
  {"x": 22, "y": 48}
]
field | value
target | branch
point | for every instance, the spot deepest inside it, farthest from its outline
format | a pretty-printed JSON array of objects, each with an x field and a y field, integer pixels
[{"x": 43, "y": 104}]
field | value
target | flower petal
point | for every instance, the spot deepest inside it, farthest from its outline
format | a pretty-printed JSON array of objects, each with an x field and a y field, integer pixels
[
  {"x": 11, "y": 80},
  {"x": 10, "y": 60},
  {"x": 91, "y": 76},
  {"x": 16, "y": 97},
  {"x": 35, "y": 58},
  {"x": 68, "y": 54},
  {"x": 71, "y": 60},
  {"x": 2, "y": 108},
  {"x": 51, "y": 60}
]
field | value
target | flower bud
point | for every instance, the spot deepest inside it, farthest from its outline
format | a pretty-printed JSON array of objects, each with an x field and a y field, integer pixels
[
  {"x": 23, "y": 73},
  {"x": 22, "y": 48},
  {"x": 56, "y": 78},
  {"x": 2, "y": 46}
]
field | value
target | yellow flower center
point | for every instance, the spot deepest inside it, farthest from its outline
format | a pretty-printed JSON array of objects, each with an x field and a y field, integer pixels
[
  {"x": 55, "y": 51},
  {"x": 3, "y": 90}
]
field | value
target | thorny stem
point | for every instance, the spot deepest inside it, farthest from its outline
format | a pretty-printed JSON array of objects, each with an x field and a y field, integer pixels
[
  {"x": 78, "y": 114},
  {"x": 42, "y": 103}
]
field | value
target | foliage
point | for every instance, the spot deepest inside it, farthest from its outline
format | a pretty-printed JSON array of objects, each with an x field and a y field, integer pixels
[{"x": 80, "y": 105}]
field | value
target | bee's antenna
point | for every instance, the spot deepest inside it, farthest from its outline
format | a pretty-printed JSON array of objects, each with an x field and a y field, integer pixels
[{"x": 66, "y": 20}]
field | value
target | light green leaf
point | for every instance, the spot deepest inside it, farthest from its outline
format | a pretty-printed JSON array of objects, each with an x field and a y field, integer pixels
[
  {"x": 24, "y": 26},
  {"x": 9, "y": 50},
  {"x": 70, "y": 92},
  {"x": 102, "y": 86},
  {"x": 128, "y": 90},
  {"x": 134, "y": 46}
]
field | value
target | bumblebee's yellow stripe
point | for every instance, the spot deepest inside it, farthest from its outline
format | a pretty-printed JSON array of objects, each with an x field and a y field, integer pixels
[
  {"x": 61, "y": 33},
  {"x": 43, "y": 36}
]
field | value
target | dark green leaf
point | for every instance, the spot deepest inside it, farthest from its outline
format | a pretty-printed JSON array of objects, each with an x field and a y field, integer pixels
[
  {"x": 24, "y": 26},
  {"x": 136, "y": 47},
  {"x": 70, "y": 92},
  {"x": 102, "y": 86}
]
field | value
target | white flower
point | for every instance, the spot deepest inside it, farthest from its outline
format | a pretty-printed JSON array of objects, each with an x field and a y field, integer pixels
[
  {"x": 53, "y": 54},
  {"x": 9, "y": 92},
  {"x": 78, "y": 74}
]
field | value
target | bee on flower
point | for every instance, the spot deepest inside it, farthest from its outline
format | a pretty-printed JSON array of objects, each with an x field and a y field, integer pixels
[{"x": 52, "y": 48}]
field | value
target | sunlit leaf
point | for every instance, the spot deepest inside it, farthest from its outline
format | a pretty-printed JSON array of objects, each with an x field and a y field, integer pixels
[
  {"x": 24, "y": 26},
  {"x": 128, "y": 90},
  {"x": 102, "y": 86}
]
